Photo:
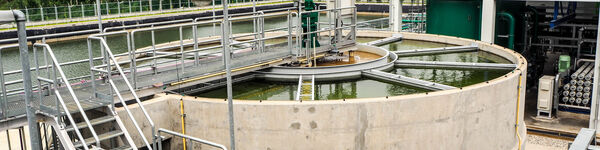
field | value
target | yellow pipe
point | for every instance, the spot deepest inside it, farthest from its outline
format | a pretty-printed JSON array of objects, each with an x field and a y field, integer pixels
[
  {"x": 182, "y": 122},
  {"x": 223, "y": 72},
  {"x": 518, "y": 107}
]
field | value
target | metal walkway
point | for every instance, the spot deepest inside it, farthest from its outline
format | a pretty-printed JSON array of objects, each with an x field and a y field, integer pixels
[{"x": 380, "y": 75}]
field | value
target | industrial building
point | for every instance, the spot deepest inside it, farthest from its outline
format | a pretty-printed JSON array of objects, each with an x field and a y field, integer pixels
[{"x": 276, "y": 74}]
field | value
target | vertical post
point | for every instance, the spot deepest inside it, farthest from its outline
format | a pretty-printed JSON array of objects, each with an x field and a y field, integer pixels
[
  {"x": 594, "y": 107},
  {"x": 107, "y": 9},
  {"x": 34, "y": 132},
  {"x": 141, "y": 8},
  {"x": 27, "y": 13},
  {"x": 180, "y": 4},
  {"x": 82, "y": 11},
  {"x": 129, "y": 6},
  {"x": 42, "y": 12},
  {"x": 55, "y": 13},
  {"x": 150, "y": 4},
  {"x": 396, "y": 15},
  {"x": 181, "y": 51},
  {"x": 153, "y": 37},
  {"x": 195, "y": 36},
  {"x": 488, "y": 20},
  {"x": 70, "y": 13},
  {"x": 170, "y": 4},
  {"x": 254, "y": 13},
  {"x": 160, "y": 5},
  {"x": 99, "y": 16},
  {"x": 289, "y": 38},
  {"x": 119, "y": 8},
  {"x": 214, "y": 14},
  {"x": 227, "y": 56}
]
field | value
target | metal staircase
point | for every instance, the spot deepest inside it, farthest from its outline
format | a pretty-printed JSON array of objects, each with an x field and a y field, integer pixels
[
  {"x": 306, "y": 88},
  {"x": 79, "y": 123}
]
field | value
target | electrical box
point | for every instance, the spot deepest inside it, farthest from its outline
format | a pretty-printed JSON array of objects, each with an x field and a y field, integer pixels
[{"x": 545, "y": 96}]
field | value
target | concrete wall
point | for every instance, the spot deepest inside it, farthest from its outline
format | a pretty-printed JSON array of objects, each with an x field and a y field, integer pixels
[{"x": 480, "y": 116}]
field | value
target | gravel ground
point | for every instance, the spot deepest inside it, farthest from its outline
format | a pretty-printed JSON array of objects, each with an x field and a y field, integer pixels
[{"x": 535, "y": 142}]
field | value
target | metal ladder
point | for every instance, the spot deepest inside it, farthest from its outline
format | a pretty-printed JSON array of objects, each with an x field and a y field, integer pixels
[
  {"x": 109, "y": 137},
  {"x": 306, "y": 88}
]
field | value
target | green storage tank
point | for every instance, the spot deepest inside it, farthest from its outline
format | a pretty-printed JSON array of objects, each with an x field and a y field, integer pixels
[{"x": 461, "y": 18}]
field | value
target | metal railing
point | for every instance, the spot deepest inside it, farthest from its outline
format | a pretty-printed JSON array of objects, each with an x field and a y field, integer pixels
[
  {"x": 55, "y": 81},
  {"x": 125, "y": 8},
  {"x": 161, "y": 130},
  {"x": 108, "y": 58}
]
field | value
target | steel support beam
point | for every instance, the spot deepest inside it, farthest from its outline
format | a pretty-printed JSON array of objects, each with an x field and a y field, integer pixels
[
  {"x": 393, "y": 38},
  {"x": 442, "y": 50},
  {"x": 454, "y": 65},
  {"x": 34, "y": 132},
  {"x": 227, "y": 61},
  {"x": 380, "y": 75}
]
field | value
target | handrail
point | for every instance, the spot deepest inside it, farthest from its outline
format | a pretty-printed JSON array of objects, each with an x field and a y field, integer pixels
[
  {"x": 161, "y": 130},
  {"x": 134, "y": 51},
  {"x": 64, "y": 106},
  {"x": 146, "y": 25},
  {"x": 131, "y": 89},
  {"x": 70, "y": 89}
]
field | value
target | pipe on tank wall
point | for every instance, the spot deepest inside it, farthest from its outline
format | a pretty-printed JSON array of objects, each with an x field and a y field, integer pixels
[{"x": 511, "y": 28}]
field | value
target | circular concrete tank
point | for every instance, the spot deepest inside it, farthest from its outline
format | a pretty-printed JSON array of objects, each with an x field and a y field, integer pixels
[{"x": 479, "y": 116}]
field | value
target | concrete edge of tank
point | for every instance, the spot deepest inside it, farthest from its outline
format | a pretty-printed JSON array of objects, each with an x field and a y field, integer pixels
[{"x": 479, "y": 116}]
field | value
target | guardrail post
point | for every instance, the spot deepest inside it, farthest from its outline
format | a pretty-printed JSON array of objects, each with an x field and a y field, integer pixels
[
  {"x": 160, "y": 5},
  {"x": 180, "y": 4},
  {"x": 141, "y": 8},
  {"x": 55, "y": 12},
  {"x": 119, "y": 8},
  {"x": 70, "y": 14},
  {"x": 96, "y": 9},
  {"x": 107, "y": 9},
  {"x": 42, "y": 12},
  {"x": 189, "y": 4},
  {"x": 27, "y": 13},
  {"x": 129, "y": 6},
  {"x": 34, "y": 132},
  {"x": 170, "y": 4},
  {"x": 150, "y": 5},
  {"x": 82, "y": 11}
]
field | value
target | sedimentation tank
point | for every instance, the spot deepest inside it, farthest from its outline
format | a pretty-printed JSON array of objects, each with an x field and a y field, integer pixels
[
  {"x": 465, "y": 117},
  {"x": 422, "y": 92}
]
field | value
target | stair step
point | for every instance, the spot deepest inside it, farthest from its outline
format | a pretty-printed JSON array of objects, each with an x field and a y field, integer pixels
[
  {"x": 96, "y": 121},
  {"x": 101, "y": 137}
]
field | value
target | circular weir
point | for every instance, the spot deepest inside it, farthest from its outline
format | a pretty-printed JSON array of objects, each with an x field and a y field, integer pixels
[{"x": 338, "y": 69}]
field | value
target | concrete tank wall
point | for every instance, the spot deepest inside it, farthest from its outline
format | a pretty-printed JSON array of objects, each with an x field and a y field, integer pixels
[{"x": 480, "y": 116}]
